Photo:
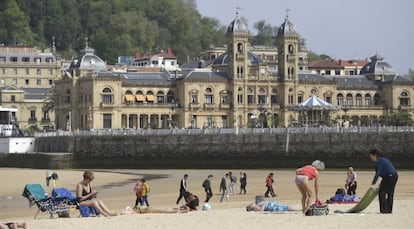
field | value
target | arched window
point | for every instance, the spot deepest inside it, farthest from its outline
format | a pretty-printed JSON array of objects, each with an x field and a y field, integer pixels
[
  {"x": 273, "y": 96},
  {"x": 250, "y": 98},
  {"x": 107, "y": 95},
  {"x": 358, "y": 100},
  {"x": 377, "y": 100},
  {"x": 170, "y": 97},
  {"x": 349, "y": 100},
  {"x": 160, "y": 97},
  {"x": 339, "y": 99},
  {"x": 404, "y": 98},
  {"x": 240, "y": 95},
  {"x": 368, "y": 100},
  {"x": 240, "y": 48},
  {"x": 208, "y": 96}
]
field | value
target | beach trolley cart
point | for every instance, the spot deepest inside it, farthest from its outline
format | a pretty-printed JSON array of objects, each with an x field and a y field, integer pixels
[
  {"x": 63, "y": 195},
  {"x": 36, "y": 195}
]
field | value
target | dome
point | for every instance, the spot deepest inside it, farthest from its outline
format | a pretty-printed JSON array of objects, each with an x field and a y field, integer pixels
[
  {"x": 237, "y": 26},
  {"x": 253, "y": 59},
  {"x": 377, "y": 66},
  {"x": 287, "y": 28},
  {"x": 87, "y": 60}
]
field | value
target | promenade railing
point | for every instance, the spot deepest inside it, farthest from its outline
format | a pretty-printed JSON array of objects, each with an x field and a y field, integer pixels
[{"x": 222, "y": 131}]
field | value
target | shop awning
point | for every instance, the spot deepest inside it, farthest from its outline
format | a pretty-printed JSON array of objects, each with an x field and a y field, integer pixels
[
  {"x": 140, "y": 98},
  {"x": 129, "y": 98},
  {"x": 151, "y": 98}
]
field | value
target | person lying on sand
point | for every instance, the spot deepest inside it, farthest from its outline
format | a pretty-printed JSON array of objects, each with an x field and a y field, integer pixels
[
  {"x": 191, "y": 204},
  {"x": 270, "y": 206},
  {"x": 13, "y": 225}
]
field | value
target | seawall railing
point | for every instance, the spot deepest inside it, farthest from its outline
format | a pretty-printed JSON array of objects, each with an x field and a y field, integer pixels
[{"x": 222, "y": 131}]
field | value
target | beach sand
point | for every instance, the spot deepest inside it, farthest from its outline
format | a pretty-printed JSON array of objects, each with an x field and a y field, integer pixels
[{"x": 115, "y": 189}]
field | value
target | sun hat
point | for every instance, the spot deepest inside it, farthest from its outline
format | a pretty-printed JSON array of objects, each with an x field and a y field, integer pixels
[{"x": 318, "y": 164}]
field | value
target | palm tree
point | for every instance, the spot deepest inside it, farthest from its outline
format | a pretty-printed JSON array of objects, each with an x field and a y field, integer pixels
[{"x": 49, "y": 100}]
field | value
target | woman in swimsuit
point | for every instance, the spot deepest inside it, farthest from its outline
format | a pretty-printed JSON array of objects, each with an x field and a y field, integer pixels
[
  {"x": 88, "y": 197},
  {"x": 303, "y": 177}
]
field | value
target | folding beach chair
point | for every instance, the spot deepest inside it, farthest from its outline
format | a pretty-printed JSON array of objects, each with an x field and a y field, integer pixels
[
  {"x": 64, "y": 196},
  {"x": 36, "y": 195}
]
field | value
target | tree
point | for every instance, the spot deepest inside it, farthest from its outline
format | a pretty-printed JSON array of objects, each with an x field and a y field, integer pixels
[
  {"x": 264, "y": 33},
  {"x": 401, "y": 119},
  {"x": 49, "y": 100},
  {"x": 14, "y": 24}
]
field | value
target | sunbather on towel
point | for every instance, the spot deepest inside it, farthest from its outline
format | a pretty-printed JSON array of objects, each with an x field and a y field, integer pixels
[
  {"x": 88, "y": 197},
  {"x": 270, "y": 206},
  {"x": 13, "y": 225}
]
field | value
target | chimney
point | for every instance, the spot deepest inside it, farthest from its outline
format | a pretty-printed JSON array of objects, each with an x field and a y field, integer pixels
[{"x": 169, "y": 51}]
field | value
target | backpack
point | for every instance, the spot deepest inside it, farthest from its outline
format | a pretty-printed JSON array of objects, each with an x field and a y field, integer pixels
[{"x": 340, "y": 191}]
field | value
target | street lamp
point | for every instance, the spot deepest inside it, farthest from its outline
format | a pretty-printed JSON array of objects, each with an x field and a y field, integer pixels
[
  {"x": 261, "y": 107},
  {"x": 172, "y": 105}
]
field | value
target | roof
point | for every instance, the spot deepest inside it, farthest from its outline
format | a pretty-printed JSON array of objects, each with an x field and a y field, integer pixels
[
  {"x": 87, "y": 60},
  {"x": 147, "y": 78},
  {"x": 377, "y": 66},
  {"x": 287, "y": 28},
  {"x": 253, "y": 59},
  {"x": 325, "y": 64},
  {"x": 203, "y": 74},
  {"x": 237, "y": 26}
]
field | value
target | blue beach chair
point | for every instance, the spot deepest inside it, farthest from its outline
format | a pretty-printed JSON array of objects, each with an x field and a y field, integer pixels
[{"x": 36, "y": 195}]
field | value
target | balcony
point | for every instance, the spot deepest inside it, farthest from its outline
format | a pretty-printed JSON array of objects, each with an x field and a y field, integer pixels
[
  {"x": 106, "y": 105},
  {"x": 32, "y": 120},
  {"x": 210, "y": 106},
  {"x": 224, "y": 106},
  {"x": 45, "y": 121}
]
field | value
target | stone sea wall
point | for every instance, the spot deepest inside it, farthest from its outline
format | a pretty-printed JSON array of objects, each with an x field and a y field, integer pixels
[{"x": 338, "y": 150}]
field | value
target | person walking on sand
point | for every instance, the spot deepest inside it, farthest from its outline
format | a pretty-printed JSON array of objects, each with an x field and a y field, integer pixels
[
  {"x": 145, "y": 189},
  {"x": 207, "y": 187},
  {"x": 351, "y": 182},
  {"x": 183, "y": 188},
  {"x": 223, "y": 188},
  {"x": 243, "y": 183},
  {"x": 233, "y": 181},
  {"x": 303, "y": 176},
  {"x": 269, "y": 186},
  {"x": 137, "y": 190},
  {"x": 389, "y": 175}
]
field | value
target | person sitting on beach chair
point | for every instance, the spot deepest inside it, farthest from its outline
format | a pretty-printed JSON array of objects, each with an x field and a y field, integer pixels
[
  {"x": 88, "y": 197},
  {"x": 270, "y": 206}
]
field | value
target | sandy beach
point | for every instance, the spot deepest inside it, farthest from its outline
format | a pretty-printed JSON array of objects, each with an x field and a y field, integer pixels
[{"x": 115, "y": 189}]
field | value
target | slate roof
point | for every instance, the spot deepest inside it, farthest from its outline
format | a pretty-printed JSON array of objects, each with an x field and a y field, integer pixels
[
  {"x": 147, "y": 79},
  {"x": 199, "y": 75}
]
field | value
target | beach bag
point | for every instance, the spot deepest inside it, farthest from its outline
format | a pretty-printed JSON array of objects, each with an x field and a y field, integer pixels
[
  {"x": 316, "y": 210},
  {"x": 340, "y": 191}
]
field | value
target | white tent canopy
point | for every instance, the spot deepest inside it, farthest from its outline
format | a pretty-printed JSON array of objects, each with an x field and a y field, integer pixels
[{"x": 314, "y": 103}]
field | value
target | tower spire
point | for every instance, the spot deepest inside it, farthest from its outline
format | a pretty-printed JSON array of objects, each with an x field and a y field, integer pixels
[{"x": 238, "y": 8}]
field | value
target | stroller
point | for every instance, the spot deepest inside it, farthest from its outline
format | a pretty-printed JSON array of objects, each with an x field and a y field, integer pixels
[{"x": 56, "y": 207}]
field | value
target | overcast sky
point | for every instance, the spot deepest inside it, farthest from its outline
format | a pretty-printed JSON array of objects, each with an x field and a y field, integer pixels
[{"x": 342, "y": 29}]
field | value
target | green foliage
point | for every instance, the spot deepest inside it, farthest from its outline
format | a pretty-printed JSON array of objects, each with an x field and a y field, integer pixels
[
  {"x": 312, "y": 56},
  {"x": 113, "y": 27},
  {"x": 401, "y": 119}
]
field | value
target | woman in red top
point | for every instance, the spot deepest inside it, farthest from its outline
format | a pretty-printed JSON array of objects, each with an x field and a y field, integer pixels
[{"x": 303, "y": 176}]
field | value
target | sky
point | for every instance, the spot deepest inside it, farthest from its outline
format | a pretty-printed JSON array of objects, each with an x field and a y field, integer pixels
[{"x": 342, "y": 29}]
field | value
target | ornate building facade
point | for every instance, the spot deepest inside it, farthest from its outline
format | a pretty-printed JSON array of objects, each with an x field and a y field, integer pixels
[
  {"x": 239, "y": 89},
  {"x": 26, "y": 76}
]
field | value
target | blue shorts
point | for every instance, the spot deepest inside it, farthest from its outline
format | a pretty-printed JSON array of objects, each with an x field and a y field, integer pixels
[{"x": 274, "y": 206}]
